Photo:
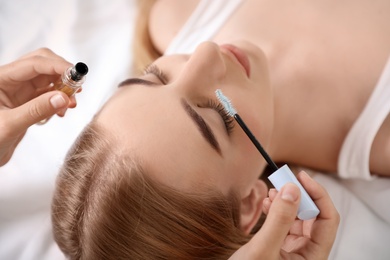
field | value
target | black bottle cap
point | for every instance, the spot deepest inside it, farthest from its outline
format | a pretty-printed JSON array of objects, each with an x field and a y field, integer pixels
[{"x": 78, "y": 71}]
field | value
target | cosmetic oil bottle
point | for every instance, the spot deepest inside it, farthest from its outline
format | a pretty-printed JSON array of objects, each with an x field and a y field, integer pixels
[{"x": 72, "y": 79}]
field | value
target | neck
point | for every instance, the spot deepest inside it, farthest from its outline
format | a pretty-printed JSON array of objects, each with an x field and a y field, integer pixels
[
  {"x": 300, "y": 117},
  {"x": 281, "y": 141}
]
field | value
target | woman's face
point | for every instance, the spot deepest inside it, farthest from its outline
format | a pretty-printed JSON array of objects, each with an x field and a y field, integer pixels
[{"x": 171, "y": 122}]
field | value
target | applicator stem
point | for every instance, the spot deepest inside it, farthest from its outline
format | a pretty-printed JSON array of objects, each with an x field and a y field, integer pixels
[{"x": 255, "y": 142}]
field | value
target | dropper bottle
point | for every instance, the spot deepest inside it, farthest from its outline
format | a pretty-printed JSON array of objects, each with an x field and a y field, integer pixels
[{"x": 72, "y": 79}]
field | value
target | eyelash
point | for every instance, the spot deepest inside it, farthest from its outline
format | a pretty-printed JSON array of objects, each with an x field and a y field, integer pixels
[
  {"x": 227, "y": 119},
  {"x": 153, "y": 69}
]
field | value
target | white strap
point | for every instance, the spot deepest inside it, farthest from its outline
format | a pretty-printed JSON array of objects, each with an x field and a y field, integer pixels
[
  {"x": 355, "y": 153},
  {"x": 207, "y": 19}
]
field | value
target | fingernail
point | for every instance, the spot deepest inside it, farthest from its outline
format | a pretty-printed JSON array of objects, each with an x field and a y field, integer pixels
[
  {"x": 306, "y": 175},
  {"x": 290, "y": 192},
  {"x": 57, "y": 101}
]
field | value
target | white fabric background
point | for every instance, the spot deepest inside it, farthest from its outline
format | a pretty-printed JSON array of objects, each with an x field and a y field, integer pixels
[{"x": 97, "y": 32}]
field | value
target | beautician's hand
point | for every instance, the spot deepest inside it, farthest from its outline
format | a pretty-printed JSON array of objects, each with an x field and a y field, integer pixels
[
  {"x": 285, "y": 237},
  {"x": 25, "y": 96}
]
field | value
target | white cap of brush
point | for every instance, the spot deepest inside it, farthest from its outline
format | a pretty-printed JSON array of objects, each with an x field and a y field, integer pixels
[{"x": 307, "y": 208}]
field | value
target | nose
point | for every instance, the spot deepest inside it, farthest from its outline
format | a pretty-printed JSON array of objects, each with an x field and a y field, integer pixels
[{"x": 205, "y": 68}]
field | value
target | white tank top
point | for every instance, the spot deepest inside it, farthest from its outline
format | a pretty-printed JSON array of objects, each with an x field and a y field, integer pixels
[
  {"x": 207, "y": 19},
  {"x": 355, "y": 152}
]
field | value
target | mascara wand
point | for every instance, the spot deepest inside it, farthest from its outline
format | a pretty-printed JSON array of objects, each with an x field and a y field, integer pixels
[
  {"x": 233, "y": 113},
  {"x": 280, "y": 176}
]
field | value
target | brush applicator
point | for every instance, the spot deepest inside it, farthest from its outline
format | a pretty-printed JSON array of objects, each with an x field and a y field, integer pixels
[{"x": 280, "y": 176}]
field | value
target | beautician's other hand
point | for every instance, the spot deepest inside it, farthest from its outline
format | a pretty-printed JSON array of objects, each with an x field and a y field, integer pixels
[
  {"x": 25, "y": 96},
  {"x": 283, "y": 236}
]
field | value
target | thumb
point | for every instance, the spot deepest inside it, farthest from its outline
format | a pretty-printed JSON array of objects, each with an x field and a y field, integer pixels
[
  {"x": 39, "y": 108},
  {"x": 280, "y": 218}
]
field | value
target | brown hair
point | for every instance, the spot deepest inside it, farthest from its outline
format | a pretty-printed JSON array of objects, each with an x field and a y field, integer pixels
[
  {"x": 144, "y": 51},
  {"x": 106, "y": 207}
]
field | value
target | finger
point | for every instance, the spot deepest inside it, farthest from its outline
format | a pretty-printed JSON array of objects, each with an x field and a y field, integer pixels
[
  {"x": 272, "y": 194},
  {"x": 51, "y": 87},
  {"x": 296, "y": 228},
  {"x": 44, "y": 52},
  {"x": 22, "y": 93},
  {"x": 73, "y": 102},
  {"x": 268, "y": 201},
  {"x": 45, "y": 81},
  {"x": 318, "y": 194},
  {"x": 62, "y": 112},
  {"x": 46, "y": 88},
  {"x": 27, "y": 69},
  {"x": 38, "y": 109},
  {"x": 281, "y": 216},
  {"x": 325, "y": 227},
  {"x": 266, "y": 205}
]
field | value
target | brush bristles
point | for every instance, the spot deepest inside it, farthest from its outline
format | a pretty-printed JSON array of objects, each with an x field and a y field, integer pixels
[{"x": 225, "y": 102}]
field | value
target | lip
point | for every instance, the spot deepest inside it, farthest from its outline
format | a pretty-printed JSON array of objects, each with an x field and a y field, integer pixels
[{"x": 239, "y": 55}]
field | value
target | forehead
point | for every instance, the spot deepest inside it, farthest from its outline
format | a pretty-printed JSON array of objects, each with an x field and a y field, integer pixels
[{"x": 153, "y": 125}]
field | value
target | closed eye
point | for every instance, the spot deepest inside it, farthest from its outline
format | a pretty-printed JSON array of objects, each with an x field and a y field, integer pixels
[
  {"x": 155, "y": 70},
  {"x": 227, "y": 119}
]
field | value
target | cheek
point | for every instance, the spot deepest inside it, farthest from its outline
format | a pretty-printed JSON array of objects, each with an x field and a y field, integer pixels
[
  {"x": 247, "y": 161},
  {"x": 260, "y": 125},
  {"x": 246, "y": 155},
  {"x": 260, "y": 118}
]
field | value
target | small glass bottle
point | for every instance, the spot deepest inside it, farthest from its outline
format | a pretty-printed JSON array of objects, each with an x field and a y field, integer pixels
[{"x": 71, "y": 81}]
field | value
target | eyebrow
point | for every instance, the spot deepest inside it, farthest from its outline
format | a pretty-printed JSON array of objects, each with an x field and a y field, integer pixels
[
  {"x": 203, "y": 127},
  {"x": 136, "y": 81}
]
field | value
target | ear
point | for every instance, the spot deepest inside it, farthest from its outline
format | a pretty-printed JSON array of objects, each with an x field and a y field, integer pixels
[{"x": 251, "y": 206}]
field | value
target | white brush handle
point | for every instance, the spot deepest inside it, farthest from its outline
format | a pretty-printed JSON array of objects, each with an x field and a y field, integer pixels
[{"x": 307, "y": 208}]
